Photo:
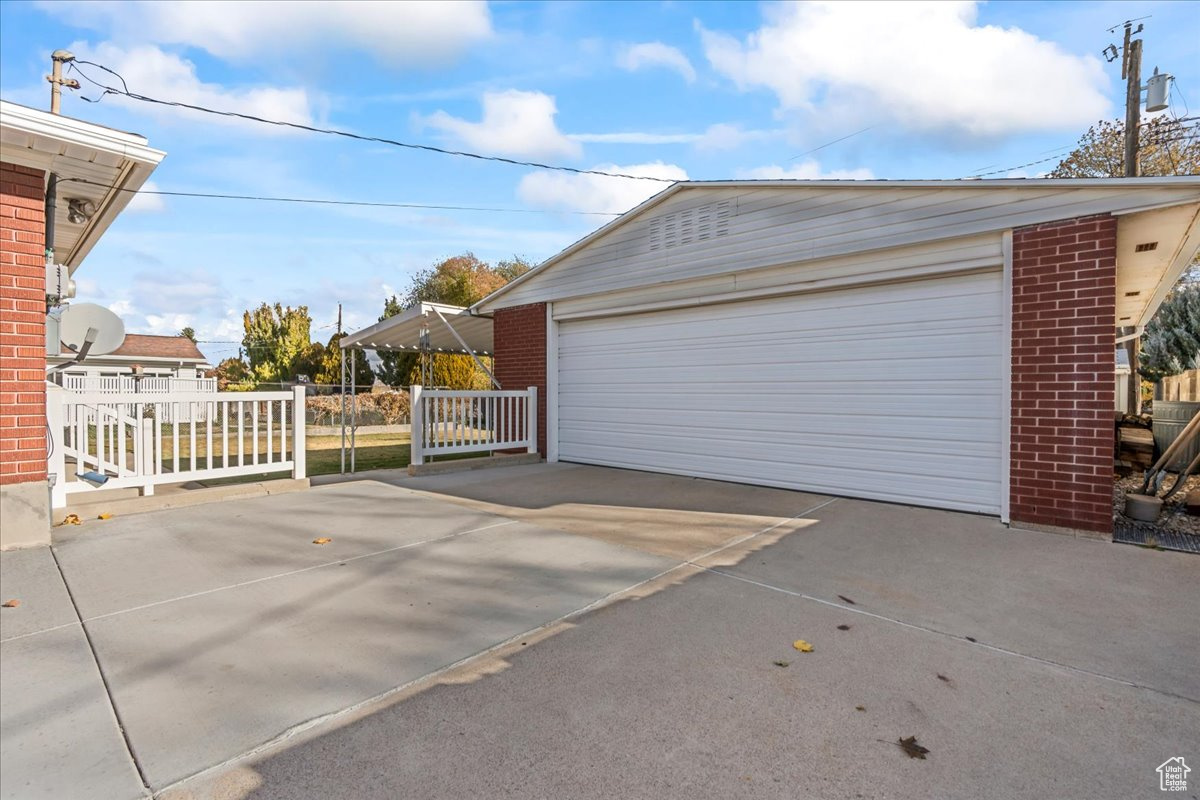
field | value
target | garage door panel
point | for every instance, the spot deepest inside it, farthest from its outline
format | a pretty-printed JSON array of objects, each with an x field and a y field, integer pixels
[{"x": 888, "y": 392}]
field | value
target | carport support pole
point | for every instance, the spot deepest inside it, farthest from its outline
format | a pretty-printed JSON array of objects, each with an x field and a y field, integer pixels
[
  {"x": 353, "y": 405},
  {"x": 343, "y": 414}
]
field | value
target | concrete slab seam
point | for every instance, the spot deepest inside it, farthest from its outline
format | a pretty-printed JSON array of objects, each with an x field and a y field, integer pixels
[
  {"x": 108, "y": 695},
  {"x": 307, "y": 725},
  {"x": 956, "y": 637},
  {"x": 260, "y": 580}
]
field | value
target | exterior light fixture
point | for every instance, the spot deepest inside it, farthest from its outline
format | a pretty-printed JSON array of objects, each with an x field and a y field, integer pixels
[{"x": 79, "y": 210}]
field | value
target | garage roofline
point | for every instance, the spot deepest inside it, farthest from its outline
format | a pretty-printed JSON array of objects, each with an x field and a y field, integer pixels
[{"x": 483, "y": 307}]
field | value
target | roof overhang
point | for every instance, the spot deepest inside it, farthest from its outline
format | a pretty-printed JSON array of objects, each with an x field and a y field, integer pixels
[
  {"x": 403, "y": 331},
  {"x": 1154, "y": 248},
  {"x": 114, "y": 164}
]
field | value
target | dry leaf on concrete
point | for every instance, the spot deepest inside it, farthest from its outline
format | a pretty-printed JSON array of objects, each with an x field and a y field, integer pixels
[
  {"x": 322, "y": 540},
  {"x": 781, "y": 663},
  {"x": 802, "y": 646},
  {"x": 860, "y": 708},
  {"x": 72, "y": 519},
  {"x": 11, "y": 603},
  {"x": 105, "y": 515},
  {"x": 911, "y": 748}
]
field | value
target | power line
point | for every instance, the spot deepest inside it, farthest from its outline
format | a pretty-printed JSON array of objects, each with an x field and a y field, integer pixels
[
  {"x": 1185, "y": 128},
  {"x": 835, "y": 141},
  {"x": 124, "y": 92},
  {"x": 320, "y": 202}
]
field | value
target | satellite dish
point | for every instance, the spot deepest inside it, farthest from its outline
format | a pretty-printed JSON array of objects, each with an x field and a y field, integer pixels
[{"x": 84, "y": 322}]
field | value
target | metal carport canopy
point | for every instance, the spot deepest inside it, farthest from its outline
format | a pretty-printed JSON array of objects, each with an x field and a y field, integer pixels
[{"x": 403, "y": 331}]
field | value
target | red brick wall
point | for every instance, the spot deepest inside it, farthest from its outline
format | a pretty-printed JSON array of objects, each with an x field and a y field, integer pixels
[
  {"x": 519, "y": 334},
  {"x": 22, "y": 325},
  {"x": 1063, "y": 337}
]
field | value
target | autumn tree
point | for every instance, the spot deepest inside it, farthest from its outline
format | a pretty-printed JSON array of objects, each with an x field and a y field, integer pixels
[
  {"x": 458, "y": 281},
  {"x": 327, "y": 365},
  {"x": 231, "y": 371},
  {"x": 276, "y": 341},
  {"x": 1165, "y": 147},
  {"x": 189, "y": 333}
]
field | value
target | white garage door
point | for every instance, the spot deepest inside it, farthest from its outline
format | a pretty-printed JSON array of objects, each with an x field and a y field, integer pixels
[{"x": 887, "y": 392}]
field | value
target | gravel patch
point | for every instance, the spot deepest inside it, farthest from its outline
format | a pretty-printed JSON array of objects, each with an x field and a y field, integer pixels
[{"x": 1175, "y": 529}]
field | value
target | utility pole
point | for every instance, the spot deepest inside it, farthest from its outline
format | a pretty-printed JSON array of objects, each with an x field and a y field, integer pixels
[
  {"x": 56, "y": 79},
  {"x": 1131, "y": 71}
]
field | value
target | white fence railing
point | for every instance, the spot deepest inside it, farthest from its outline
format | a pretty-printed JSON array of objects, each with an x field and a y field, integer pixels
[
  {"x": 446, "y": 421},
  {"x": 136, "y": 440},
  {"x": 127, "y": 384}
]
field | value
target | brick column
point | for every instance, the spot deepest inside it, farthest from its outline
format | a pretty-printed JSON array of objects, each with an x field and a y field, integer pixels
[
  {"x": 1063, "y": 381},
  {"x": 24, "y": 500},
  {"x": 519, "y": 336}
]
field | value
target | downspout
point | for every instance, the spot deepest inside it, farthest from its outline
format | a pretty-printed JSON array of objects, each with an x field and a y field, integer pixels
[{"x": 51, "y": 207}]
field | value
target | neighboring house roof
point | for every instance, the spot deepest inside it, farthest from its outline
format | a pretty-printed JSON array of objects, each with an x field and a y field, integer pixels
[
  {"x": 172, "y": 349},
  {"x": 94, "y": 163},
  {"x": 828, "y": 219},
  {"x": 168, "y": 347}
]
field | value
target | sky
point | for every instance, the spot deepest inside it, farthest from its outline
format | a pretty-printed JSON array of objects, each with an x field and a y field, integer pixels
[{"x": 672, "y": 90}]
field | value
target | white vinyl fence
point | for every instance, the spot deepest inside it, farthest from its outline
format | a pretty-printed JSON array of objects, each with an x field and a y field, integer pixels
[
  {"x": 169, "y": 386},
  {"x": 446, "y": 421},
  {"x": 146, "y": 439}
]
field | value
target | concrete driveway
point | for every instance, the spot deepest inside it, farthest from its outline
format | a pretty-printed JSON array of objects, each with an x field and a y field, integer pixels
[{"x": 563, "y": 631}]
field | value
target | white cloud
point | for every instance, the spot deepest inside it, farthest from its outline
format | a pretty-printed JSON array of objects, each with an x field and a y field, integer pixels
[
  {"x": 656, "y": 54},
  {"x": 925, "y": 65},
  {"x": 563, "y": 191},
  {"x": 514, "y": 123},
  {"x": 421, "y": 32},
  {"x": 805, "y": 171},
  {"x": 636, "y": 137},
  {"x": 155, "y": 73},
  {"x": 142, "y": 202}
]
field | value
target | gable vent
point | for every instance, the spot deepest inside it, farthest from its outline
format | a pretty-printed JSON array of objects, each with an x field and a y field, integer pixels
[
  {"x": 1145, "y": 247},
  {"x": 691, "y": 225}
]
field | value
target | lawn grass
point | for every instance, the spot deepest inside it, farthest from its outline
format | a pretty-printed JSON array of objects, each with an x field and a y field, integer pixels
[{"x": 324, "y": 455}]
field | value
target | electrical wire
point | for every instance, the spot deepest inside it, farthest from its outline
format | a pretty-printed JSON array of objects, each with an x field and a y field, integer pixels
[
  {"x": 124, "y": 92},
  {"x": 320, "y": 202}
]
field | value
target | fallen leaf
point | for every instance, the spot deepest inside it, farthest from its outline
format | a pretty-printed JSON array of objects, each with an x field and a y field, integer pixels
[
  {"x": 912, "y": 749},
  {"x": 105, "y": 515},
  {"x": 843, "y": 627},
  {"x": 11, "y": 603},
  {"x": 943, "y": 678},
  {"x": 322, "y": 540},
  {"x": 845, "y": 599},
  {"x": 802, "y": 646},
  {"x": 781, "y": 663},
  {"x": 860, "y": 708},
  {"x": 72, "y": 519},
  {"x": 970, "y": 638}
]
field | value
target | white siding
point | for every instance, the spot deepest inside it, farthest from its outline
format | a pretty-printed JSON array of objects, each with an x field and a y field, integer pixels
[
  {"x": 890, "y": 392},
  {"x": 774, "y": 225}
]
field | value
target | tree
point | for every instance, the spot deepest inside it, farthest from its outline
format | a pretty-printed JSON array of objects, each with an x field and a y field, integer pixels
[
  {"x": 231, "y": 372},
  {"x": 189, "y": 333},
  {"x": 328, "y": 369},
  {"x": 1171, "y": 344},
  {"x": 276, "y": 341},
  {"x": 458, "y": 281},
  {"x": 1165, "y": 147}
]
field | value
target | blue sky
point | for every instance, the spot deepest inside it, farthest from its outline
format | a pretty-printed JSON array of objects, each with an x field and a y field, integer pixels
[{"x": 669, "y": 89}]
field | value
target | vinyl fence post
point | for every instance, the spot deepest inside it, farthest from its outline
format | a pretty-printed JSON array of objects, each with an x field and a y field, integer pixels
[
  {"x": 416, "y": 426},
  {"x": 299, "y": 459},
  {"x": 147, "y": 468},
  {"x": 56, "y": 465},
  {"x": 532, "y": 430}
]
